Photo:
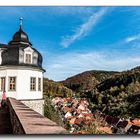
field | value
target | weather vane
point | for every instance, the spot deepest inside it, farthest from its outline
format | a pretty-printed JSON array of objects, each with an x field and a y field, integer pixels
[{"x": 21, "y": 21}]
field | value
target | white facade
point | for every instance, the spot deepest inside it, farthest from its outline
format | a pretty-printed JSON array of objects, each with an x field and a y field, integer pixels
[
  {"x": 23, "y": 81},
  {"x": 21, "y": 72}
]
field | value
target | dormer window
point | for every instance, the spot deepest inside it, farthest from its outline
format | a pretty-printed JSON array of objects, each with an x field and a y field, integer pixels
[{"x": 28, "y": 58}]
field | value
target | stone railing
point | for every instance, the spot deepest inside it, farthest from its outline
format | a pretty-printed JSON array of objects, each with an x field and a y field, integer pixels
[{"x": 26, "y": 121}]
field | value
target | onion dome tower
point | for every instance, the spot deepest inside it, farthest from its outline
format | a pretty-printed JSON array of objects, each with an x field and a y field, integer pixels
[
  {"x": 20, "y": 37},
  {"x": 21, "y": 72}
]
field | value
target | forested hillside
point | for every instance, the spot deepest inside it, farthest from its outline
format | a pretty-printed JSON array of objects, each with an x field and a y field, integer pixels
[
  {"x": 54, "y": 89},
  {"x": 114, "y": 93},
  {"x": 86, "y": 81}
]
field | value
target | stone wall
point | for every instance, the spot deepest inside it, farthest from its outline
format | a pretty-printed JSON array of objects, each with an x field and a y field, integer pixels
[
  {"x": 26, "y": 121},
  {"x": 15, "y": 122},
  {"x": 36, "y": 105}
]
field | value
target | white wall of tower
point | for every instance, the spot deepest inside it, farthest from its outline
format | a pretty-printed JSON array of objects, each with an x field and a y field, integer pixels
[{"x": 23, "y": 76}]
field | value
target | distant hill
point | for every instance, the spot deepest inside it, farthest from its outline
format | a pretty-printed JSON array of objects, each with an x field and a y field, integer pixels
[
  {"x": 128, "y": 81},
  {"x": 114, "y": 93},
  {"x": 119, "y": 94},
  {"x": 86, "y": 81},
  {"x": 54, "y": 89}
]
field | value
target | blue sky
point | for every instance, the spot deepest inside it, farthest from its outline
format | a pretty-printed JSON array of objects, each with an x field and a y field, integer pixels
[{"x": 77, "y": 39}]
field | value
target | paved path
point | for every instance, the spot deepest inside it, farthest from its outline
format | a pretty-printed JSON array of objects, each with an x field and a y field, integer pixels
[{"x": 5, "y": 124}]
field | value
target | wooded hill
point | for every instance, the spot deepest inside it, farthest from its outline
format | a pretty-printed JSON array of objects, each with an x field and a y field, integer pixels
[
  {"x": 114, "y": 93},
  {"x": 86, "y": 81},
  {"x": 54, "y": 89}
]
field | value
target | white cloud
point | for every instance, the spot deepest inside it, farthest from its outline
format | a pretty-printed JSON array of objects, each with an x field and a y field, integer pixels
[
  {"x": 132, "y": 38},
  {"x": 83, "y": 29},
  {"x": 64, "y": 66}
]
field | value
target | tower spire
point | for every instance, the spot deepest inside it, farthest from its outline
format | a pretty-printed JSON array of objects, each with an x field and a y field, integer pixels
[{"x": 21, "y": 21}]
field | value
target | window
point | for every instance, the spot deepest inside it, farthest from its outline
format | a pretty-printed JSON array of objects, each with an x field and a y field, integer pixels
[
  {"x": 35, "y": 60},
  {"x": 33, "y": 84},
  {"x": 28, "y": 58},
  {"x": 12, "y": 83},
  {"x": 39, "y": 84},
  {"x": 2, "y": 83}
]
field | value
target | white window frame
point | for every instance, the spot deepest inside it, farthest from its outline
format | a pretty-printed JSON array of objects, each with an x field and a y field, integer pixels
[
  {"x": 28, "y": 58},
  {"x": 32, "y": 84},
  {"x": 12, "y": 83},
  {"x": 2, "y": 85},
  {"x": 28, "y": 51},
  {"x": 39, "y": 84},
  {"x": 34, "y": 58}
]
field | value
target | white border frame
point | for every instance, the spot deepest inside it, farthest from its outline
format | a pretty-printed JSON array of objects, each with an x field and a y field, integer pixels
[{"x": 70, "y": 3}]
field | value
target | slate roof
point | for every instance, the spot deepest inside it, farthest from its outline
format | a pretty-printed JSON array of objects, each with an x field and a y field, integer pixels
[
  {"x": 10, "y": 53},
  {"x": 20, "y": 37}
]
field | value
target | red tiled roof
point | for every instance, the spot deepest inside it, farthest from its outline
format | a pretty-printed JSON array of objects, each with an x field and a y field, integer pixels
[
  {"x": 136, "y": 122},
  {"x": 76, "y": 132},
  {"x": 72, "y": 120},
  {"x": 107, "y": 130},
  {"x": 89, "y": 114},
  {"x": 78, "y": 120},
  {"x": 66, "y": 109}
]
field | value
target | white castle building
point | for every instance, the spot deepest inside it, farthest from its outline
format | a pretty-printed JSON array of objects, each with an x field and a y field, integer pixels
[{"x": 21, "y": 72}]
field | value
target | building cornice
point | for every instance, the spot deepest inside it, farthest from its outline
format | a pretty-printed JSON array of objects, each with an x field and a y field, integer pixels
[{"x": 21, "y": 68}]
